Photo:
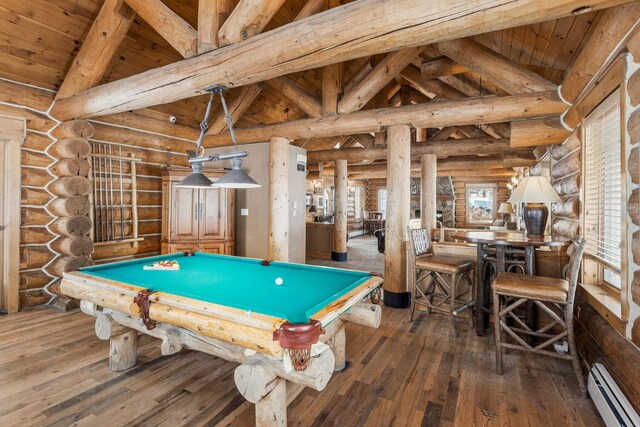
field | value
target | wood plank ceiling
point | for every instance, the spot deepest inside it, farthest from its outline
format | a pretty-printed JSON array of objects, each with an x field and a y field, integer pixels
[{"x": 40, "y": 38}]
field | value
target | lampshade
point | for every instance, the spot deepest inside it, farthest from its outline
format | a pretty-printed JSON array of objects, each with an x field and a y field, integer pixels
[
  {"x": 505, "y": 208},
  {"x": 196, "y": 179},
  {"x": 236, "y": 177},
  {"x": 313, "y": 209},
  {"x": 534, "y": 189}
]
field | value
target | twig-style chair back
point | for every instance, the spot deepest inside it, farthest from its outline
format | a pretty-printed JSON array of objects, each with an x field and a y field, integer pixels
[
  {"x": 420, "y": 241},
  {"x": 575, "y": 251}
]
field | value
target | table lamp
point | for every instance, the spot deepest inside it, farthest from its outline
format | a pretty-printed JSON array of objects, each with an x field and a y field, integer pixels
[
  {"x": 535, "y": 191},
  {"x": 506, "y": 210}
]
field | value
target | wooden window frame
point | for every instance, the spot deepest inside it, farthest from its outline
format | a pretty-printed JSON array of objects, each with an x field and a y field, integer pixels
[
  {"x": 593, "y": 269},
  {"x": 466, "y": 204}
]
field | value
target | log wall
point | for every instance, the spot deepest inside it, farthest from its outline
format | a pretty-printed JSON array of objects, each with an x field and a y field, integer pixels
[
  {"x": 632, "y": 113},
  {"x": 565, "y": 178},
  {"x": 52, "y": 173}
]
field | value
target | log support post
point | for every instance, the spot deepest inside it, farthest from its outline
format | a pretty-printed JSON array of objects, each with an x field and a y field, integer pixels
[
  {"x": 279, "y": 199},
  {"x": 396, "y": 293},
  {"x": 337, "y": 343},
  {"x": 429, "y": 178},
  {"x": 339, "y": 252}
]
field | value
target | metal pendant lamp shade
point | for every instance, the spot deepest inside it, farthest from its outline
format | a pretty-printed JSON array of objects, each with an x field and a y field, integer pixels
[
  {"x": 196, "y": 179},
  {"x": 236, "y": 177}
]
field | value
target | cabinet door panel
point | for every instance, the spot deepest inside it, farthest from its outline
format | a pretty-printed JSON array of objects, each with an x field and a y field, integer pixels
[
  {"x": 184, "y": 213},
  {"x": 212, "y": 248},
  {"x": 183, "y": 247},
  {"x": 211, "y": 214}
]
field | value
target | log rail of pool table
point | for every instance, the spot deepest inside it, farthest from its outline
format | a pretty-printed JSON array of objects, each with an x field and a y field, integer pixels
[{"x": 228, "y": 324}]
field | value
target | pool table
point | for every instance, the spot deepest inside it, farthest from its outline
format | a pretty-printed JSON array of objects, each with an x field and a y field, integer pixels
[{"x": 275, "y": 314}]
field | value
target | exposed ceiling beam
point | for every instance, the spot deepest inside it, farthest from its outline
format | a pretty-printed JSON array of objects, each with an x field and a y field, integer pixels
[
  {"x": 331, "y": 88},
  {"x": 242, "y": 101},
  {"x": 316, "y": 41},
  {"x": 532, "y": 133},
  {"x": 441, "y": 66},
  {"x": 432, "y": 114},
  {"x": 301, "y": 98},
  {"x": 384, "y": 71},
  {"x": 102, "y": 41},
  {"x": 248, "y": 18},
  {"x": 175, "y": 30},
  {"x": 460, "y": 147},
  {"x": 613, "y": 28},
  {"x": 505, "y": 73},
  {"x": 211, "y": 16},
  {"x": 492, "y": 173}
]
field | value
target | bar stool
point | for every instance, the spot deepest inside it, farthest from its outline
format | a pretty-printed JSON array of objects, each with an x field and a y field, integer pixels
[
  {"x": 444, "y": 283},
  {"x": 553, "y": 296}
]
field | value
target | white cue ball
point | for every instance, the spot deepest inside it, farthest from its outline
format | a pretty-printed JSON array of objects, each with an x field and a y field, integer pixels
[{"x": 279, "y": 281}]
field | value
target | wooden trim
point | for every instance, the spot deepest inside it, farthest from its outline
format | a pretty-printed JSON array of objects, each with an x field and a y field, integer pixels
[
  {"x": 12, "y": 135},
  {"x": 605, "y": 305}
]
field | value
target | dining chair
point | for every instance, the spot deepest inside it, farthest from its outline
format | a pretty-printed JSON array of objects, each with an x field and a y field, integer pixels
[
  {"x": 444, "y": 283},
  {"x": 553, "y": 296}
]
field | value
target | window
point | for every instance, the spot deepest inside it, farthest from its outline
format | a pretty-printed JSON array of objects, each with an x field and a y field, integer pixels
[
  {"x": 603, "y": 203},
  {"x": 382, "y": 200},
  {"x": 481, "y": 203}
]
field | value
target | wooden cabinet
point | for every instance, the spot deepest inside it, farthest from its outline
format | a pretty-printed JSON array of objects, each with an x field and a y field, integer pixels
[{"x": 196, "y": 219}]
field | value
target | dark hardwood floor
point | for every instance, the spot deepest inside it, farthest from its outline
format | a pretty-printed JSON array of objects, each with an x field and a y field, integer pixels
[{"x": 53, "y": 372}]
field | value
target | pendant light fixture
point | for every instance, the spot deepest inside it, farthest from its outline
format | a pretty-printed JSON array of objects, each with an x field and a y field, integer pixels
[{"x": 236, "y": 177}]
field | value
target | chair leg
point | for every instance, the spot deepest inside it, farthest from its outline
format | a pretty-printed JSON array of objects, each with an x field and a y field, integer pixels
[
  {"x": 415, "y": 295},
  {"x": 454, "y": 291},
  {"x": 498, "y": 332},
  {"x": 574, "y": 353}
]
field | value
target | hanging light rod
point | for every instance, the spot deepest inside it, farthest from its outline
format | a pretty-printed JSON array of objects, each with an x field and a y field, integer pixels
[{"x": 236, "y": 177}]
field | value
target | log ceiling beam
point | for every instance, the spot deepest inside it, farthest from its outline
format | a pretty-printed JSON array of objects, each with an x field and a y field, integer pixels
[
  {"x": 311, "y": 7},
  {"x": 467, "y": 111},
  {"x": 175, "y": 30},
  {"x": 211, "y": 16},
  {"x": 248, "y": 19},
  {"x": 613, "y": 28},
  {"x": 500, "y": 174},
  {"x": 441, "y": 66},
  {"x": 314, "y": 42},
  {"x": 331, "y": 88},
  {"x": 508, "y": 75},
  {"x": 301, "y": 98},
  {"x": 102, "y": 41},
  {"x": 460, "y": 147},
  {"x": 439, "y": 88},
  {"x": 384, "y": 71},
  {"x": 237, "y": 107},
  {"x": 532, "y": 133}
]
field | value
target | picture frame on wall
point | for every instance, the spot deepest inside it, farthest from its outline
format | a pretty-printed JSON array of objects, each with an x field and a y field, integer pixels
[
  {"x": 414, "y": 189},
  {"x": 308, "y": 199},
  {"x": 317, "y": 187}
]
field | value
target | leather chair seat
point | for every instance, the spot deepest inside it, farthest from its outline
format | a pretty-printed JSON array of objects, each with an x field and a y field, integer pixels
[
  {"x": 444, "y": 263},
  {"x": 534, "y": 287}
]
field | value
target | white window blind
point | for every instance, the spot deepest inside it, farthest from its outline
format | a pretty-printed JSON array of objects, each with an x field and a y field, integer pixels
[{"x": 603, "y": 185}]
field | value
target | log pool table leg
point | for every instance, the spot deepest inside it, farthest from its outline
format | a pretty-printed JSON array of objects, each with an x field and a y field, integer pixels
[
  {"x": 271, "y": 410},
  {"x": 123, "y": 350},
  {"x": 337, "y": 344}
]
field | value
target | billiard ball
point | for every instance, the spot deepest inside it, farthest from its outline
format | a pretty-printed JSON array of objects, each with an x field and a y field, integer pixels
[{"x": 279, "y": 281}]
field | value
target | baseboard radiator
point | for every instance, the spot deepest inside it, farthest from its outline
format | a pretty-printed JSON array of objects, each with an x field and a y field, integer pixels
[{"x": 614, "y": 407}]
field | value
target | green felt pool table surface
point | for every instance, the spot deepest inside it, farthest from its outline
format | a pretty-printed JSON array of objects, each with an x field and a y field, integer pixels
[{"x": 242, "y": 283}]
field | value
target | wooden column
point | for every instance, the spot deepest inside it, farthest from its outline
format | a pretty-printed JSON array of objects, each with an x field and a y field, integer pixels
[
  {"x": 339, "y": 252},
  {"x": 429, "y": 178},
  {"x": 279, "y": 199},
  {"x": 398, "y": 202}
]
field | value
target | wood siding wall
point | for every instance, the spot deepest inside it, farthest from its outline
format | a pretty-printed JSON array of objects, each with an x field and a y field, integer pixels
[{"x": 36, "y": 237}]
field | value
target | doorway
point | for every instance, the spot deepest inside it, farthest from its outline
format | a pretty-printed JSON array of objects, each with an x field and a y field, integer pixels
[{"x": 12, "y": 135}]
